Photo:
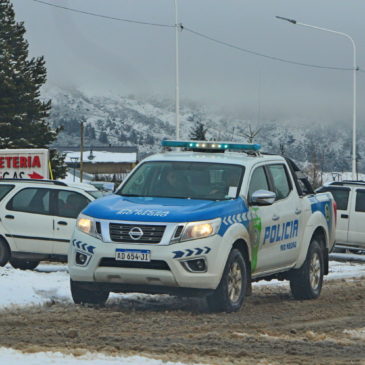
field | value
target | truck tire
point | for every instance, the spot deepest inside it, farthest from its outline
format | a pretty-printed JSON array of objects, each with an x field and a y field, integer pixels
[
  {"x": 306, "y": 283},
  {"x": 230, "y": 293},
  {"x": 83, "y": 293},
  {"x": 4, "y": 252},
  {"x": 23, "y": 264}
]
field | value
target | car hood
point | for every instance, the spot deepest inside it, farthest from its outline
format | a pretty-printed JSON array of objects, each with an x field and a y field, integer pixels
[{"x": 150, "y": 209}]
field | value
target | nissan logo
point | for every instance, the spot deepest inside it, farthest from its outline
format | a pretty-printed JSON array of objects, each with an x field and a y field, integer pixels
[{"x": 135, "y": 233}]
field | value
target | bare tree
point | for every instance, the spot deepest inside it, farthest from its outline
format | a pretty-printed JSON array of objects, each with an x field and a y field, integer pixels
[{"x": 251, "y": 134}]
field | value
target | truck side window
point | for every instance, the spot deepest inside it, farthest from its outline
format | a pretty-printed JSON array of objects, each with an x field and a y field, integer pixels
[
  {"x": 282, "y": 185},
  {"x": 258, "y": 182},
  {"x": 360, "y": 201}
]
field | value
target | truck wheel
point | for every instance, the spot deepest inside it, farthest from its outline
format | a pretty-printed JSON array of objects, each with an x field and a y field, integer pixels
[
  {"x": 23, "y": 264},
  {"x": 306, "y": 283},
  {"x": 4, "y": 252},
  {"x": 230, "y": 293},
  {"x": 87, "y": 294}
]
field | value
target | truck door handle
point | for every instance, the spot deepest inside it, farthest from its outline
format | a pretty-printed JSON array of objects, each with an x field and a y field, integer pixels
[
  {"x": 62, "y": 223},
  {"x": 298, "y": 211},
  {"x": 344, "y": 216},
  {"x": 9, "y": 217},
  {"x": 275, "y": 217}
]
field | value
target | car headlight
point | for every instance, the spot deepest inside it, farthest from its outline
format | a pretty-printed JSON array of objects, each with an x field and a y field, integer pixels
[
  {"x": 195, "y": 230},
  {"x": 87, "y": 225}
]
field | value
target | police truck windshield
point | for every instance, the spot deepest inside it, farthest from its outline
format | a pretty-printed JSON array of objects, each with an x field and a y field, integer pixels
[{"x": 190, "y": 180}]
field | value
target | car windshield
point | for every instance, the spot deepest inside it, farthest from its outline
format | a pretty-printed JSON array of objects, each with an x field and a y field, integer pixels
[
  {"x": 96, "y": 193},
  {"x": 193, "y": 180}
]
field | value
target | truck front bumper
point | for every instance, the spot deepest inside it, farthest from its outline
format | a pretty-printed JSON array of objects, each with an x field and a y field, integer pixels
[{"x": 170, "y": 265}]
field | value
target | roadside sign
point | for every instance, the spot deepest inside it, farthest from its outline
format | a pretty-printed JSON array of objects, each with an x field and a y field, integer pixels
[{"x": 24, "y": 164}]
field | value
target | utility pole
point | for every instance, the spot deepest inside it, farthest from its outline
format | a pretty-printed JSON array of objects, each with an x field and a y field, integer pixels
[
  {"x": 81, "y": 150},
  {"x": 178, "y": 28}
]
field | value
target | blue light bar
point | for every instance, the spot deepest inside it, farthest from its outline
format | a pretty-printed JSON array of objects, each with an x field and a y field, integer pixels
[{"x": 211, "y": 145}]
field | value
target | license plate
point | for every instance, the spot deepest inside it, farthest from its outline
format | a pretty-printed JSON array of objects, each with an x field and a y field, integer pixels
[{"x": 122, "y": 254}]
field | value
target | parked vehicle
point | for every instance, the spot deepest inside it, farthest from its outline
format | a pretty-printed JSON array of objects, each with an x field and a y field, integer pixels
[
  {"x": 204, "y": 221},
  {"x": 106, "y": 187},
  {"x": 37, "y": 218},
  {"x": 350, "y": 199}
]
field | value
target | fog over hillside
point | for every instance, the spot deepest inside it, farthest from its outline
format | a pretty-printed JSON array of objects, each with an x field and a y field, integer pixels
[{"x": 118, "y": 120}]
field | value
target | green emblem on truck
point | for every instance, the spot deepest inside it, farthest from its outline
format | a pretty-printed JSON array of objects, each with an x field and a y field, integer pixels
[{"x": 255, "y": 228}]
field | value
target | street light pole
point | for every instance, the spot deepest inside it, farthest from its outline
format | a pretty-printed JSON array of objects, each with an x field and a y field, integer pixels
[
  {"x": 355, "y": 68},
  {"x": 74, "y": 160},
  {"x": 177, "y": 95}
]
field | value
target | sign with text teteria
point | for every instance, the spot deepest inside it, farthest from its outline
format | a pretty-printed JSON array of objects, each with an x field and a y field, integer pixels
[{"x": 24, "y": 164}]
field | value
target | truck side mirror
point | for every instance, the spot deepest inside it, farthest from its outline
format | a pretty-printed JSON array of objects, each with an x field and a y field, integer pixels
[{"x": 263, "y": 197}]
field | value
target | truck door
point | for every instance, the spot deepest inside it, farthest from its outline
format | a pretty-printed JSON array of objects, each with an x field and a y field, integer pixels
[
  {"x": 356, "y": 230},
  {"x": 276, "y": 227},
  {"x": 285, "y": 234},
  {"x": 260, "y": 218}
]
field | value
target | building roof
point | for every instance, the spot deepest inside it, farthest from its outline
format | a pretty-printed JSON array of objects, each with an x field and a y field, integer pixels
[
  {"x": 92, "y": 156},
  {"x": 121, "y": 149}
]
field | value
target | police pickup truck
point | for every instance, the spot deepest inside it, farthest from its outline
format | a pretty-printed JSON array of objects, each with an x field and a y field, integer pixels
[{"x": 207, "y": 219}]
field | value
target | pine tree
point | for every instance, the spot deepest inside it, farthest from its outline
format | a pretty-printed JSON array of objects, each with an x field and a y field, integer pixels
[
  {"x": 23, "y": 116},
  {"x": 103, "y": 138},
  {"x": 198, "y": 132}
]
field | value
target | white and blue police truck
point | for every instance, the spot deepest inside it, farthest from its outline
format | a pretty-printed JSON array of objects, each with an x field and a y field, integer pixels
[{"x": 206, "y": 218}]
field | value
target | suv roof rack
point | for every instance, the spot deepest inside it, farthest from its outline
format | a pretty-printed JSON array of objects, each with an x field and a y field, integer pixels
[
  {"x": 350, "y": 182},
  {"x": 55, "y": 182}
]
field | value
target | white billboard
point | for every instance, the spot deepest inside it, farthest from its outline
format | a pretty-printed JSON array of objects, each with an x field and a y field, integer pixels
[{"x": 24, "y": 164}]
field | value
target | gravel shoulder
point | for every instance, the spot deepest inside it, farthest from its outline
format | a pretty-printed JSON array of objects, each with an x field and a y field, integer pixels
[{"x": 271, "y": 328}]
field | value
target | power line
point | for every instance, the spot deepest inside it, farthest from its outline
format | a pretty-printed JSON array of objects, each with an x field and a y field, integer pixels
[
  {"x": 104, "y": 16},
  {"x": 265, "y": 55},
  {"x": 201, "y": 35}
]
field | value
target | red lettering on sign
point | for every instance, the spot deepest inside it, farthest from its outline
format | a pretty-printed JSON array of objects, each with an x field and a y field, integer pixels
[
  {"x": 36, "y": 162},
  {"x": 16, "y": 162},
  {"x": 8, "y": 161},
  {"x": 23, "y": 162},
  {"x": 20, "y": 162}
]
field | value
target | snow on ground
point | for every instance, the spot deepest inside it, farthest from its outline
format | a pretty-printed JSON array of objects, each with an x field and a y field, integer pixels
[
  {"x": 340, "y": 176},
  {"x": 102, "y": 156},
  {"x": 51, "y": 282},
  {"x": 13, "y": 357},
  {"x": 33, "y": 287}
]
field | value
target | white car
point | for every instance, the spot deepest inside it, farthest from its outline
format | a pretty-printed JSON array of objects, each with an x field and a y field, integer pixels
[
  {"x": 208, "y": 221},
  {"x": 350, "y": 199},
  {"x": 37, "y": 218}
]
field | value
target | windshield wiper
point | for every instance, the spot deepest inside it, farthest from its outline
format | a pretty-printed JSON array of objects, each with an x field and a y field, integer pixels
[{"x": 132, "y": 195}]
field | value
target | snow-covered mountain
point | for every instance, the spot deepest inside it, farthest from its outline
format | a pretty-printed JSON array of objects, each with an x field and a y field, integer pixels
[{"x": 120, "y": 120}]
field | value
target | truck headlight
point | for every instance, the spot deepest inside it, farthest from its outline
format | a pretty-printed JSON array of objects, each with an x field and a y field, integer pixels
[
  {"x": 195, "y": 230},
  {"x": 87, "y": 225}
]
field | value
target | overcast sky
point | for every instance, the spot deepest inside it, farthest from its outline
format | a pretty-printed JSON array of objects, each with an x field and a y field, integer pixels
[{"x": 103, "y": 55}]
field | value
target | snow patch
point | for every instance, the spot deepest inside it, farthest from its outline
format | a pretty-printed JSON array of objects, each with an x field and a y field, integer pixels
[
  {"x": 357, "y": 334},
  {"x": 13, "y": 357}
]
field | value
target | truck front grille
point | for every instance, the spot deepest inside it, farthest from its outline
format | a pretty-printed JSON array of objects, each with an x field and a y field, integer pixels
[{"x": 136, "y": 233}]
